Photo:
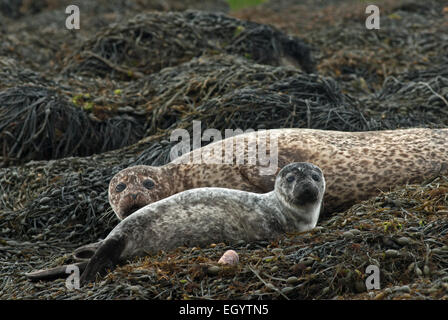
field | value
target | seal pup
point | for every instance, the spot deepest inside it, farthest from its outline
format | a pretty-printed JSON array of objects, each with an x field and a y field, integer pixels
[
  {"x": 357, "y": 166},
  {"x": 202, "y": 216}
]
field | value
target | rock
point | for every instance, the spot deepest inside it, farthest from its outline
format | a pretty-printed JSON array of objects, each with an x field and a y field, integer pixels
[
  {"x": 274, "y": 269},
  {"x": 348, "y": 235},
  {"x": 379, "y": 296},
  {"x": 230, "y": 257},
  {"x": 405, "y": 289}
]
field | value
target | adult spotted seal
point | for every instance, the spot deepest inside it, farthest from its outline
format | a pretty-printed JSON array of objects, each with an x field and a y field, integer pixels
[
  {"x": 202, "y": 216},
  {"x": 357, "y": 165}
]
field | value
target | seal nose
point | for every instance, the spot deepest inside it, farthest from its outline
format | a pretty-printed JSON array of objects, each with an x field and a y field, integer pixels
[
  {"x": 307, "y": 193},
  {"x": 134, "y": 196}
]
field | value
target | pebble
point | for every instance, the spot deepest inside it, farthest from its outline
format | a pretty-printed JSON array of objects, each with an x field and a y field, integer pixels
[
  {"x": 292, "y": 280},
  {"x": 229, "y": 257},
  {"x": 405, "y": 289},
  {"x": 274, "y": 269},
  {"x": 348, "y": 235},
  {"x": 379, "y": 296}
]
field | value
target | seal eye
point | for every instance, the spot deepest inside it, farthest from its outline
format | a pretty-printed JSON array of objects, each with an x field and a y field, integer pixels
[
  {"x": 290, "y": 179},
  {"x": 120, "y": 187},
  {"x": 315, "y": 177},
  {"x": 148, "y": 184}
]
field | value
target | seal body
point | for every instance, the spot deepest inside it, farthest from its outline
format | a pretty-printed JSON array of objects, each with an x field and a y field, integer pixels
[
  {"x": 357, "y": 165},
  {"x": 202, "y": 216}
]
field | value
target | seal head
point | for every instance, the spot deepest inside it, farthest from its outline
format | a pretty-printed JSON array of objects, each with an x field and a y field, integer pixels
[
  {"x": 135, "y": 187},
  {"x": 300, "y": 189},
  {"x": 300, "y": 184}
]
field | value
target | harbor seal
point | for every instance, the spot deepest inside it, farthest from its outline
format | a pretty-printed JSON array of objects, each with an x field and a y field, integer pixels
[
  {"x": 357, "y": 165},
  {"x": 198, "y": 217}
]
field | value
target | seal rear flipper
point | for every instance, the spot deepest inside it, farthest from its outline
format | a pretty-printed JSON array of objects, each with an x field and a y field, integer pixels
[
  {"x": 106, "y": 256},
  {"x": 54, "y": 273}
]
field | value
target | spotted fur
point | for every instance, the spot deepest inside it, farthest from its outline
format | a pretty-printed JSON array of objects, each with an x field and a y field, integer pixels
[{"x": 357, "y": 165}]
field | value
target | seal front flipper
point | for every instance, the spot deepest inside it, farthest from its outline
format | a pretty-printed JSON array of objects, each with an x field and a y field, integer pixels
[
  {"x": 106, "y": 256},
  {"x": 262, "y": 183},
  {"x": 54, "y": 273},
  {"x": 87, "y": 251}
]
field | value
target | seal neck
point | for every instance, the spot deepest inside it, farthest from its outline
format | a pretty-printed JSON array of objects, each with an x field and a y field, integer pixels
[{"x": 298, "y": 218}]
